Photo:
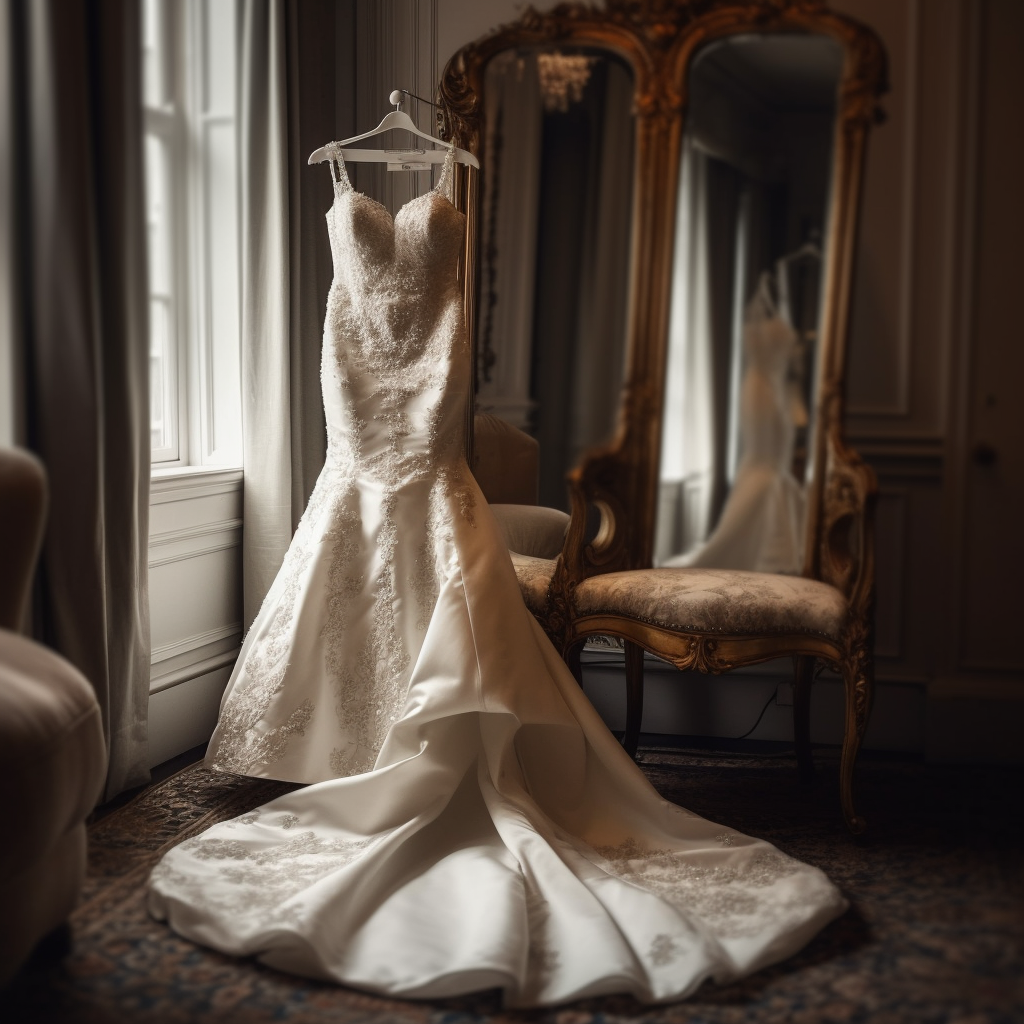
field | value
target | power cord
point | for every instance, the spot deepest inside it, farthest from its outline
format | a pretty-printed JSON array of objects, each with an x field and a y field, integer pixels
[{"x": 759, "y": 717}]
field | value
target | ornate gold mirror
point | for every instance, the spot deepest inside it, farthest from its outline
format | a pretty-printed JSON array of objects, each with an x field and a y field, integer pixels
[{"x": 745, "y": 130}]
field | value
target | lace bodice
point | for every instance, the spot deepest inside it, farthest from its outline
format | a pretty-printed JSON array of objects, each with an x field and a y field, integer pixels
[{"x": 394, "y": 323}]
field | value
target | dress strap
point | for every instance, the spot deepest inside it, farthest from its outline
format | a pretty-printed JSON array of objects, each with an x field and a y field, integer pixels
[
  {"x": 338, "y": 171},
  {"x": 444, "y": 182}
]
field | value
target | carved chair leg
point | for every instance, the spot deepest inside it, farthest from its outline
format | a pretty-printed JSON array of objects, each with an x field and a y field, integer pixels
[
  {"x": 859, "y": 681},
  {"x": 634, "y": 697},
  {"x": 803, "y": 677}
]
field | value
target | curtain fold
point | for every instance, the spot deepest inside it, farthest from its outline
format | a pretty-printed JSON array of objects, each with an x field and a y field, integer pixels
[
  {"x": 76, "y": 326},
  {"x": 288, "y": 100},
  {"x": 688, "y": 440}
]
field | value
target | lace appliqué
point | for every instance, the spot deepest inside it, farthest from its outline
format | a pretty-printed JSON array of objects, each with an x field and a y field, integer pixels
[
  {"x": 664, "y": 950},
  {"x": 244, "y": 740},
  {"x": 733, "y": 896},
  {"x": 463, "y": 494},
  {"x": 256, "y": 883},
  {"x": 371, "y": 693}
]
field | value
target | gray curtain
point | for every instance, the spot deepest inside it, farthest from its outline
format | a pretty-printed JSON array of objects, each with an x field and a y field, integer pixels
[
  {"x": 292, "y": 52},
  {"x": 76, "y": 328}
]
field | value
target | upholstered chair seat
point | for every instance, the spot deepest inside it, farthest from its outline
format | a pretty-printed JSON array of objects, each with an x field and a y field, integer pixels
[
  {"x": 717, "y": 601},
  {"x": 534, "y": 575}
]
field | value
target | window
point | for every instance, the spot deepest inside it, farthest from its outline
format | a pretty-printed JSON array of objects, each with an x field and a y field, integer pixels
[{"x": 188, "y": 51}]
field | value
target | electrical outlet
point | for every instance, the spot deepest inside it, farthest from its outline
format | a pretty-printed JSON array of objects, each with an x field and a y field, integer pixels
[{"x": 784, "y": 695}]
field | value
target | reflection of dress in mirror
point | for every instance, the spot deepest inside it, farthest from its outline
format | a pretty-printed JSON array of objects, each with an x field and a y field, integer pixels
[{"x": 761, "y": 524}]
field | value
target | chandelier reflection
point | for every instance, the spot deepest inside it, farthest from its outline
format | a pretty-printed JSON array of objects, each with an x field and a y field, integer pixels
[{"x": 563, "y": 77}]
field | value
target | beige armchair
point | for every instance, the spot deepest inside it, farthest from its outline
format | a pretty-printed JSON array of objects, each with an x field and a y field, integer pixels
[{"x": 52, "y": 753}]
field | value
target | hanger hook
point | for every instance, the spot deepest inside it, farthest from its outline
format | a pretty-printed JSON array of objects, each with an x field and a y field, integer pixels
[{"x": 398, "y": 98}]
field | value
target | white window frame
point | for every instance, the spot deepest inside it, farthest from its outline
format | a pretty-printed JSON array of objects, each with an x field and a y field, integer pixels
[{"x": 198, "y": 125}]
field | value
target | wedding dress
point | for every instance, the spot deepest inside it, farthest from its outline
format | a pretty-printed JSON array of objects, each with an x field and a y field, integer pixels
[
  {"x": 503, "y": 839},
  {"x": 761, "y": 524}
]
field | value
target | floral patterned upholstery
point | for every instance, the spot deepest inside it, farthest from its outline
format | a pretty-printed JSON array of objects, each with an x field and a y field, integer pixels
[
  {"x": 534, "y": 575},
  {"x": 725, "y": 601}
]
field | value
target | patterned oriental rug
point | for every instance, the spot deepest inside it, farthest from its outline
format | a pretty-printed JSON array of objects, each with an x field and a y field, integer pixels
[{"x": 935, "y": 933}]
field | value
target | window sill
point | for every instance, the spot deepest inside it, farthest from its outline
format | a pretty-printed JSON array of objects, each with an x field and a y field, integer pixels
[{"x": 174, "y": 483}]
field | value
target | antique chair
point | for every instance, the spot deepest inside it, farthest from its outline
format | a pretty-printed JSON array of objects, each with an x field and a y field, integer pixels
[{"x": 602, "y": 582}]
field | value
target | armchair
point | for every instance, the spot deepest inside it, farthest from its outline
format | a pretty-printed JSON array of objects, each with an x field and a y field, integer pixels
[{"x": 52, "y": 752}]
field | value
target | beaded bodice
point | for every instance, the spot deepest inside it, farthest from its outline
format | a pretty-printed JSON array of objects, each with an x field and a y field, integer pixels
[{"x": 394, "y": 391}]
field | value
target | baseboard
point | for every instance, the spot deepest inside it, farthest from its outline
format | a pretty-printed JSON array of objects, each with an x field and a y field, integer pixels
[{"x": 183, "y": 716}]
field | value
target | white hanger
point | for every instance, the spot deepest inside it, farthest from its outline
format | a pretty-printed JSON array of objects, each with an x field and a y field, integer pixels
[{"x": 395, "y": 119}]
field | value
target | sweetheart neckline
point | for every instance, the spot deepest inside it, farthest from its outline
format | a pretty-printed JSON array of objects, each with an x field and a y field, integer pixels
[{"x": 350, "y": 191}]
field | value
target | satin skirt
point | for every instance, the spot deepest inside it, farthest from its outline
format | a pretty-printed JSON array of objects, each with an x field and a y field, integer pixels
[{"x": 503, "y": 839}]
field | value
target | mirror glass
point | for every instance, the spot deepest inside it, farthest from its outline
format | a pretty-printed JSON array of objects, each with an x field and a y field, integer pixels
[
  {"x": 554, "y": 249},
  {"x": 747, "y": 277}
]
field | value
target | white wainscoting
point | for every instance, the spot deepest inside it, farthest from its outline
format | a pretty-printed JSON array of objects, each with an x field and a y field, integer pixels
[{"x": 195, "y": 587}]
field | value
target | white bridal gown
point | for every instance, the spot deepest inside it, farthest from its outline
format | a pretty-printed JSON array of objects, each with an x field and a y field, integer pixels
[
  {"x": 502, "y": 838},
  {"x": 761, "y": 525}
]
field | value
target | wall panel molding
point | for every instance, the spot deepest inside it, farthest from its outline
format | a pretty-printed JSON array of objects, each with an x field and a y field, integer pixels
[
  {"x": 898, "y": 405},
  {"x": 892, "y": 578},
  {"x": 196, "y": 641},
  {"x": 192, "y": 671},
  {"x": 903, "y": 460},
  {"x": 193, "y": 541},
  {"x": 183, "y": 716}
]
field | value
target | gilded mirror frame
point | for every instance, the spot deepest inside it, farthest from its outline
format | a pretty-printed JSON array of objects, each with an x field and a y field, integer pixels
[{"x": 659, "y": 39}]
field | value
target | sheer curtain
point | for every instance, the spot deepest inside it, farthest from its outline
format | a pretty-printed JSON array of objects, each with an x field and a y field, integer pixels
[
  {"x": 703, "y": 352},
  {"x": 688, "y": 442},
  {"x": 76, "y": 337},
  {"x": 288, "y": 64}
]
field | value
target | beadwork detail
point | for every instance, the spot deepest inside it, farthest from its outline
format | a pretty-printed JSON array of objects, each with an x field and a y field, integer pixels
[{"x": 258, "y": 883}]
